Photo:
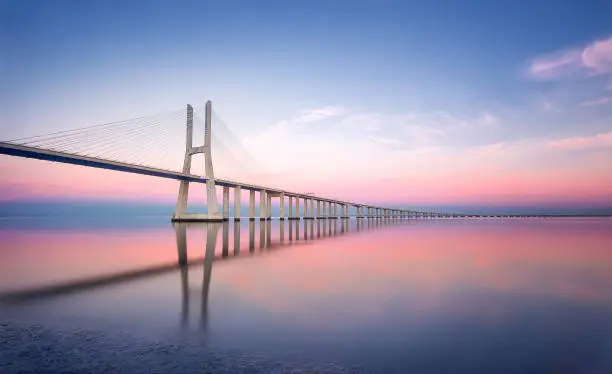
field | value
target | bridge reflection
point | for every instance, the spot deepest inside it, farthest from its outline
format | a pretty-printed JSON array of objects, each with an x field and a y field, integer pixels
[{"x": 325, "y": 229}]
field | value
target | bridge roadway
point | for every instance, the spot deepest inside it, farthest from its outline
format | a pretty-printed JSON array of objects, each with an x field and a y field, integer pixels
[{"x": 76, "y": 159}]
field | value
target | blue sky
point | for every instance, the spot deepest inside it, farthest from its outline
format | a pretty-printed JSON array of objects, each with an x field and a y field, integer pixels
[{"x": 458, "y": 81}]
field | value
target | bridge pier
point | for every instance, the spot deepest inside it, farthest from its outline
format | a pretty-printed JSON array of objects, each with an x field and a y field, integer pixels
[
  {"x": 268, "y": 206},
  {"x": 262, "y": 205},
  {"x": 305, "y": 209},
  {"x": 212, "y": 214},
  {"x": 312, "y": 211},
  {"x": 237, "y": 203},
  {"x": 344, "y": 210},
  {"x": 282, "y": 207},
  {"x": 251, "y": 205},
  {"x": 225, "y": 203}
]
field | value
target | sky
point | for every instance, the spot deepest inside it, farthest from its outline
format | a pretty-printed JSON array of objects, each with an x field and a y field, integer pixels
[{"x": 430, "y": 103}]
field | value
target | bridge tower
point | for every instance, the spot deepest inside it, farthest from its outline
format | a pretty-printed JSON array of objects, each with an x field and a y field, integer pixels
[{"x": 213, "y": 213}]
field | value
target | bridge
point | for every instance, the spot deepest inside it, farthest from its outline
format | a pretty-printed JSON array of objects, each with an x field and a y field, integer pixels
[{"x": 106, "y": 146}]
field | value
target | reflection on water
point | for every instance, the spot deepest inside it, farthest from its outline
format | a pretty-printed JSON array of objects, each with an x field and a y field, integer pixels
[{"x": 383, "y": 294}]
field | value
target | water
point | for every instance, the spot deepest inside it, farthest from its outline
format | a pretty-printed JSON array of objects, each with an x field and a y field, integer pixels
[{"x": 420, "y": 296}]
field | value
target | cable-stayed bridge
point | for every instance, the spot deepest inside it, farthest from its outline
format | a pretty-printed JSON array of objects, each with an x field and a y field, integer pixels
[{"x": 155, "y": 145}]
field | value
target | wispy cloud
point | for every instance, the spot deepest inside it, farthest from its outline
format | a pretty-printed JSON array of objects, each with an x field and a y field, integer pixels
[
  {"x": 555, "y": 65},
  {"x": 582, "y": 142},
  {"x": 319, "y": 114},
  {"x": 595, "y": 102},
  {"x": 592, "y": 59},
  {"x": 384, "y": 140}
]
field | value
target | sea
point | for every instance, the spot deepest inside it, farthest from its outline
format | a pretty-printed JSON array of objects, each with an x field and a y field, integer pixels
[{"x": 141, "y": 294}]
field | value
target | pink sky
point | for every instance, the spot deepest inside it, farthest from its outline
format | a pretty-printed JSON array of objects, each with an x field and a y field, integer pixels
[{"x": 585, "y": 177}]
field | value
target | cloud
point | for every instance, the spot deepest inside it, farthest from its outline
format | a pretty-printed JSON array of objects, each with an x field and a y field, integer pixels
[
  {"x": 592, "y": 59},
  {"x": 600, "y": 101},
  {"x": 363, "y": 121},
  {"x": 555, "y": 65},
  {"x": 488, "y": 119},
  {"x": 319, "y": 114},
  {"x": 598, "y": 56},
  {"x": 582, "y": 142},
  {"x": 384, "y": 140}
]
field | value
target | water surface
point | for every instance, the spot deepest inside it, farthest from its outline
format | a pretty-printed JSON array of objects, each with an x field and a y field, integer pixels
[{"x": 423, "y": 296}]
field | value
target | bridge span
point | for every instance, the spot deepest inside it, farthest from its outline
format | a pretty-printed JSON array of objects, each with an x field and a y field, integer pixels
[{"x": 314, "y": 207}]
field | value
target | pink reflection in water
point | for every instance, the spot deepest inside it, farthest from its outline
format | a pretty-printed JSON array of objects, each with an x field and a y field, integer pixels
[
  {"x": 359, "y": 273},
  {"x": 430, "y": 263}
]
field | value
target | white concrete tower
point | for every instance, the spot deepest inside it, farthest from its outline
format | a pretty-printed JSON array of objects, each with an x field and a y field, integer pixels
[{"x": 213, "y": 213}]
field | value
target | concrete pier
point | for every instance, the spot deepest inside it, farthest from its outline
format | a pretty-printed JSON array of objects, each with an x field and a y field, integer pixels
[
  {"x": 237, "y": 190},
  {"x": 262, "y": 205},
  {"x": 312, "y": 213},
  {"x": 268, "y": 206},
  {"x": 225, "y": 203},
  {"x": 282, "y": 207},
  {"x": 251, "y": 205}
]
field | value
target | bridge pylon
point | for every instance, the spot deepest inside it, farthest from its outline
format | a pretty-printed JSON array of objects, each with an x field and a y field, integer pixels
[{"x": 213, "y": 214}]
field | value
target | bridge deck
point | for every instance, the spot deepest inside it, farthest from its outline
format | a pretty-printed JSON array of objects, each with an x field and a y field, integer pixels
[{"x": 94, "y": 162}]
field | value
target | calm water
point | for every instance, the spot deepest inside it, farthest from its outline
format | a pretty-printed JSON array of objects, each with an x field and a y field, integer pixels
[{"x": 418, "y": 296}]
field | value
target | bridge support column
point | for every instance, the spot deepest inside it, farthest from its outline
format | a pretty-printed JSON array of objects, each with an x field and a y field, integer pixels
[
  {"x": 262, "y": 205},
  {"x": 282, "y": 206},
  {"x": 290, "y": 207},
  {"x": 297, "y": 207},
  {"x": 225, "y": 203},
  {"x": 312, "y": 211},
  {"x": 213, "y": 213},
  {"x": 306, "y": 208},
  {"x": 251, "y": 205},
  {"x": 345, "y": 210},
  {"x": 269, "y": 206},
  {"x": 318, "y": 209},
  {"x": 237, "y": 203}
]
